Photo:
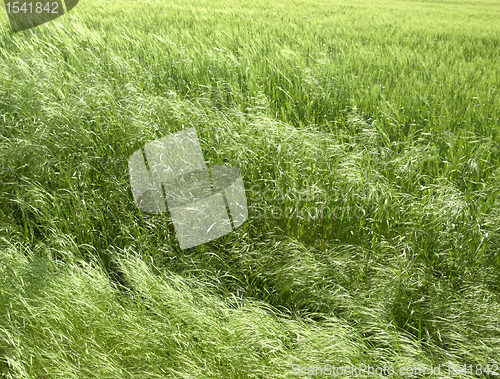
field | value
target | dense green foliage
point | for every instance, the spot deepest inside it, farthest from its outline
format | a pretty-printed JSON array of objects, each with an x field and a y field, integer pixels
[{"x": 368, "y": 137}]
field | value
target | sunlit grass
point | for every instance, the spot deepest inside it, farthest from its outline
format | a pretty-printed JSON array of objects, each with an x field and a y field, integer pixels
[{"x": 367, "y": 137}]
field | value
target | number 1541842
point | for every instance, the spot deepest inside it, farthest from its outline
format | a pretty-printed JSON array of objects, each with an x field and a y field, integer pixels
[
  {"x": 32, "y": 7},
  {"x": 28, "y": 14}
]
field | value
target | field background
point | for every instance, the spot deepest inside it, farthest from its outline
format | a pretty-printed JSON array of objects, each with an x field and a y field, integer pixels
[{"x": 383, "y": 115}]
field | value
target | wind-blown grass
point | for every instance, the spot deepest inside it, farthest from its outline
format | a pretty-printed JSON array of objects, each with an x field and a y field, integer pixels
[{"x": 367, "y": 137}]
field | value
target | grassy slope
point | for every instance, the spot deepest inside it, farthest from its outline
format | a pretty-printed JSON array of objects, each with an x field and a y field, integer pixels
[{"x": 368, "y": 137}]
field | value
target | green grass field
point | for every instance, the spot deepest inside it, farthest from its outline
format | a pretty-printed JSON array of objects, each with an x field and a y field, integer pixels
[{"x": 368, "y": 137}]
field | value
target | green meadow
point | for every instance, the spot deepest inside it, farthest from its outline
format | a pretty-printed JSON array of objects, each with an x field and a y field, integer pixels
[{"x": 368, "y": 137}]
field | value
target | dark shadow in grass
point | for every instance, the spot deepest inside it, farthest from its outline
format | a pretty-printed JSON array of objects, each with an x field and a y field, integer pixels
[
  {"x": 27, "y": 223},
  {"x": 115, "y": 274}
]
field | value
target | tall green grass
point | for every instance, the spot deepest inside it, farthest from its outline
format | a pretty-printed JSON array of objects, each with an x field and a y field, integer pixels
[{"x": 367, "y": 134}]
